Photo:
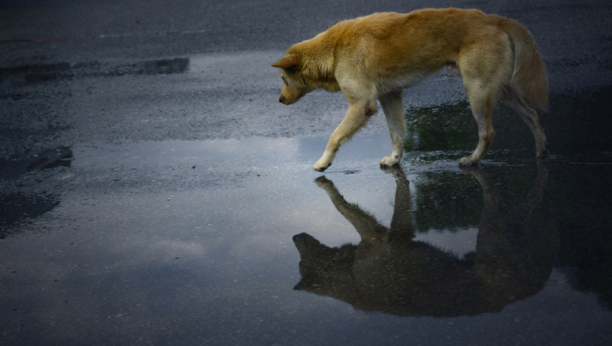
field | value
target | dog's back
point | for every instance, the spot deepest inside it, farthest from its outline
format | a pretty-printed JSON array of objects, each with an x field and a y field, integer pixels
[{"x": 387, "y": 45}]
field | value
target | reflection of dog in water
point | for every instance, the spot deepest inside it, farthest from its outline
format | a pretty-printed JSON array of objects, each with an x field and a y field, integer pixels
[{"x": 390, "y": 272}]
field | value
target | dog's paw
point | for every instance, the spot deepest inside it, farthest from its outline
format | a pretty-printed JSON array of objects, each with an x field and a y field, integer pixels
[
  {"x": 396, "y": 171},
  {"x": 467, "y": 162},
  {"x": 541, "y": 150},
  {"x": 389, "y": 161},
  {"x": 542, "y": 153},
  {"x": 321, "y": 166},
  {"x": 324, "y": 183}
]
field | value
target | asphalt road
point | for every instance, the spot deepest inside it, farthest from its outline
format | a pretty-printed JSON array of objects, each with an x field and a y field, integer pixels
[
  {"x": 154, "y": 191},
  {"x": 84, "y": 39}
]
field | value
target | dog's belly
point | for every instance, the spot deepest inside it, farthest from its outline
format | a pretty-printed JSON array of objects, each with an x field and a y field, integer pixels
[{"x": 401, "y": 82}]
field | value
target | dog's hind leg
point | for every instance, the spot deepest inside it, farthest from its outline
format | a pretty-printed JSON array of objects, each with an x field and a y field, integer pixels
[
  {"x": 485, "y": 67},
  {"x": 358, "y": 114},
  {"x": 392, "y": 106},
  {"x": 481, "y": 102},
  {"x": 530, "y": 116}
]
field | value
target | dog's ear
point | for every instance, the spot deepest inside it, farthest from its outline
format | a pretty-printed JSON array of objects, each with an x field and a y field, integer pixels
[{"x": 288, "y": 62}]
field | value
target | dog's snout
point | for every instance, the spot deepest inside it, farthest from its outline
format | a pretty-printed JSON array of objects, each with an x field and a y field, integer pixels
[
  {"x": 298, "y": 237},
  {"x": 281, "y": 99}
]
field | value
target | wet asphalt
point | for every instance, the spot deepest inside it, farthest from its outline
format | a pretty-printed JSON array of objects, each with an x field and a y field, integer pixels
[{"x": 154, "y": 191}]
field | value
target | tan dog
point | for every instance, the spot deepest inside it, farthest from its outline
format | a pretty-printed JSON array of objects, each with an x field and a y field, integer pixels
[{"x": 376, "y": 56}]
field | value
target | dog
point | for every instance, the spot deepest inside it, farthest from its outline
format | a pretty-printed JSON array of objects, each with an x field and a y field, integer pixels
[
  {"x": 391, "y": 272},
  {"x": 376, "y": 56}
]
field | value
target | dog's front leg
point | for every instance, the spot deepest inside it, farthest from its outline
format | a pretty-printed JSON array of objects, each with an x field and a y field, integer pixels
[
  {"x": 394, "y": 112},
  {"x": 358, "y": 114},
  {"x": 366, "y": 225}
]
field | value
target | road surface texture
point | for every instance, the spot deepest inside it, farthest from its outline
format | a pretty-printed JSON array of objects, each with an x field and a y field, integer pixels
[{"x": 154, "y": 191}]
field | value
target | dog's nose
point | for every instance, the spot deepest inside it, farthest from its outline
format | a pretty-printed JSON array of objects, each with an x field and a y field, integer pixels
[{"x": 281, "y": 100}]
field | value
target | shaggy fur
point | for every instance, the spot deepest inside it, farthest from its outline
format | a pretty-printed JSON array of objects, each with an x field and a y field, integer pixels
[{"x": 375, "y": 57}]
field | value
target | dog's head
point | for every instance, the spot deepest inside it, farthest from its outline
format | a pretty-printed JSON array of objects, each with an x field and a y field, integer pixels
[
  {"x": 294, "y": 82},
  {"x": 324, "y": 270}
]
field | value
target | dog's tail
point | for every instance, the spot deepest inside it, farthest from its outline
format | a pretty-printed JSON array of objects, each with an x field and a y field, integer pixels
[{"x": 529, "y": 77}]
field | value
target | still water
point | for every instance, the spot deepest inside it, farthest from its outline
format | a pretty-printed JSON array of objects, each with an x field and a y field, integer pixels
[{"x": 240, "y": 242}]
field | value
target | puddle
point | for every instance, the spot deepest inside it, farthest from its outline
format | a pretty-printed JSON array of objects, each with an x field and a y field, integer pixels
[
  {"x": 239, "y": 241},
  {"x": 142, "y": 235}
]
